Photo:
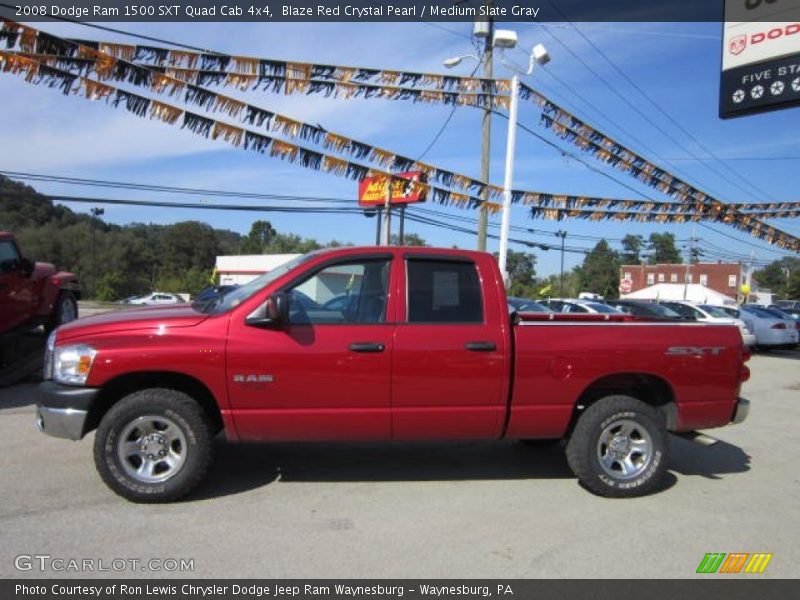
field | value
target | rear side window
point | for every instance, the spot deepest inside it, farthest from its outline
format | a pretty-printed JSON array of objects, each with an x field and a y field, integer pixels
[{"x": 443, "y": 292}]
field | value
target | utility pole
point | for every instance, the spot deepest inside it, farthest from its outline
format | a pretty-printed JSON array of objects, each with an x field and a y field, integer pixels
[
  {"x": 486, "y": 134},
  {"x": 688, "y": 266},
  {"x": 563, "y": 236},
  {"x": 96, "y": 212},
  {"x": 387, "y": 214}
]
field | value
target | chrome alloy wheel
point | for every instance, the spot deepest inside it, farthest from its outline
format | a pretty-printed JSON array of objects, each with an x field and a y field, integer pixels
[
  {"x": 151, "y": 449},
  {"x": 624, "y": 449}
]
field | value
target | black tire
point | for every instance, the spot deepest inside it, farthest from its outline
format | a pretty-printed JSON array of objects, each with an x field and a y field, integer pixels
[
  {"x": 65, "y": 310},
  {"x": 193, "y": 441},
  {"x": 601, "y": 431}
]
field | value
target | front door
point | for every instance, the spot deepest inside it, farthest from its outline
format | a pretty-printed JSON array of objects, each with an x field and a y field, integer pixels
[
  {"x": 449, "y": 373},
  {"x": 326, "y": 374},
  {"x": 18, "y": 302}
]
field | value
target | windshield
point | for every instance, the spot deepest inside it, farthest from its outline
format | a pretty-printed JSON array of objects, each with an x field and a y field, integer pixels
[
  {"x": 236, "y": 296},
  {"x": 715, "y": 312},
  {"x": 601, "y": 308}
]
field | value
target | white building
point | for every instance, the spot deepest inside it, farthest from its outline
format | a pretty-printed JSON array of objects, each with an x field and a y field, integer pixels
[
  {"x": 693, "y": 292},
  {"x": 238, "y": 270}
]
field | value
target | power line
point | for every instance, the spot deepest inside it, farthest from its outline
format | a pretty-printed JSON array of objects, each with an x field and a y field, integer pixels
[{"x": 659, "y": 108}]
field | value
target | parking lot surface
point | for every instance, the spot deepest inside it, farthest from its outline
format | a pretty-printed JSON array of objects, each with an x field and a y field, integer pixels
[{"x": 460, "y": 510}]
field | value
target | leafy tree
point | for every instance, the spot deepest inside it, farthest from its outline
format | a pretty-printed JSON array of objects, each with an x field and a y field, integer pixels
[
  {"x": 782, "y": 277},
  {"x": 599, "y": 272},
  {"x": 632, "y": 246},
  {"x": 409, "y": 239},
  {"x": 662, "y": 249},
  {"x": 521, "y": 268},
  {"x": 262, "y": 233}
]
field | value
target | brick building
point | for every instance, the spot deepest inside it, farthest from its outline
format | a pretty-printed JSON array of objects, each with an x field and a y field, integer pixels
[{"x": 724, "y": 278}]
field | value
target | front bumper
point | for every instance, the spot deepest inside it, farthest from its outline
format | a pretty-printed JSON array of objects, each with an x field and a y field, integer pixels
[
  {"x": 741, "y": 411},
  {"x": 61, "y": 410}
]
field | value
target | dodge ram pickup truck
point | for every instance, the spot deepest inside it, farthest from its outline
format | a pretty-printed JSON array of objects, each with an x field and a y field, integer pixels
[
  {"x": 418, "y": 344},
  {"x": 31, "y": 294}
]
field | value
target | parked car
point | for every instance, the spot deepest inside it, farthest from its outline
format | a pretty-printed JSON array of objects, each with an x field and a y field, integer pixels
[
  {"x": 794, "y": 304},
  {"x": 642, "y": 308},
  {"x": 212, "y": 293},
  {"x": 435, "y": 359},
  {"x": 526, "y": 305},
  {"x": 712, "y": 314},
  {"x": 156, "y": 298},
  {"x": 571, "y": 305},
  {"x": 792, "y": 312},
  {"x": 771, "y": 331}
]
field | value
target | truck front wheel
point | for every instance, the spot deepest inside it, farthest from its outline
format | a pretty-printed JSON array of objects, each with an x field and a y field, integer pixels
[
  {"x": 65, "y": 310},
  {"x": 154, "y": 445},
  {"x": 619, "y": 447}
]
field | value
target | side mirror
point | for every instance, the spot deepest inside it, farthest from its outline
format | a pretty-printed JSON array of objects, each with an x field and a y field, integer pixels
[
  {"x": 272, "y": 314},
  {"x": 9, "y": 265},
  {"x": 27, "y": 266}
]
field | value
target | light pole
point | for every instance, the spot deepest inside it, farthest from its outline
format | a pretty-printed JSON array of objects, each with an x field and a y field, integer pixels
[
  {"x": 96, "y": 212},
  {"x": 503, "y": 39},
  {"x": 484, "y": 29},
  {"x": 563, "y": 236},
  {"x": 539, "y": 55}
]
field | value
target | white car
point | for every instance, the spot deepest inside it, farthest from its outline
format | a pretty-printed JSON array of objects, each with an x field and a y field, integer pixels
[
  {"x": 156, "y": 298},
  {"x": 570, "y": 305},
  {"x": 771, "y": 331},
  {"x": 713, "y": 314}
]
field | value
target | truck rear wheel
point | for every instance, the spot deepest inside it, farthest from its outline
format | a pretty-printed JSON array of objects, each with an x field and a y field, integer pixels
[
  {"x": 65, "y": 310},
  {"x": 619, "y": 447},
  {"x": 154, "y": 445}
]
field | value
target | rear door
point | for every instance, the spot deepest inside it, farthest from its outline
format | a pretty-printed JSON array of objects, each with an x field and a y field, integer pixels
[{"x": 449, "y": 372}]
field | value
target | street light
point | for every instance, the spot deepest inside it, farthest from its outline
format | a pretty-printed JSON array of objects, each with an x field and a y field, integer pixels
[
  {"x": 96, "y": 212},
  {"x": 454, "y": 61},
  {"x": 563, "y": 235},
  {"x": 539, "y": 56}
]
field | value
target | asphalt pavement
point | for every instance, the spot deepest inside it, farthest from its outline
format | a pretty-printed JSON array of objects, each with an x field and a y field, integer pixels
[{"x": 432, "y": 510}]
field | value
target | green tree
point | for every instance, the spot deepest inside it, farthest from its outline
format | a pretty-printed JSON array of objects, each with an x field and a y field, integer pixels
[
  {"x": 632, "y": 246},
  {"x": 599, "y": 272},
  {"x": 781, "y": 277},
  {"x": 409, "y": 239},
  {"x": 662, "y": 249},
  {"x": 262, "y": 233},
  {"x": 521, "y": 268}
]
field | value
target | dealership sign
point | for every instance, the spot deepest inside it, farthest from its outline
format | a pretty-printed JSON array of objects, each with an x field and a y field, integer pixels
[
  {"x": 760, "y": 57},
  {"x": 372, "y": 190}
]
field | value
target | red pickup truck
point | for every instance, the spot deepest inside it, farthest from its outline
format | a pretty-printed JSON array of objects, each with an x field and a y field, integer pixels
[{"x": 383, "y": 343}]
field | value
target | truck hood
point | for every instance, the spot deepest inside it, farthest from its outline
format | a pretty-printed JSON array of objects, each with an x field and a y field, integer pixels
[{"x": 177, "y": 315}]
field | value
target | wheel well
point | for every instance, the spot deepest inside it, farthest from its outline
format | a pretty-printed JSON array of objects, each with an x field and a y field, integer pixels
[
  {"x": 650, "y": 389},
  {"x": 121, "y": 386}
]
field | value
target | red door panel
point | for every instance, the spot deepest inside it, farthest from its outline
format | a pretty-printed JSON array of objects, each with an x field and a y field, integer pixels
[{"x": 449, "y": 378}]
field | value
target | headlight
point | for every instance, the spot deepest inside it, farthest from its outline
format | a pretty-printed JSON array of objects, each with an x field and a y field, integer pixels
[
  {"x": 48, "y": 355},
  {"x": 72, "y": 364}
]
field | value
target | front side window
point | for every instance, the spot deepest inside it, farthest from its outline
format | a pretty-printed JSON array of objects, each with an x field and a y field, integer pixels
[
  {"x": 443, "y": 292},
  {"x": 8, "y": 252},
  {"x": 345, "y": 293}
]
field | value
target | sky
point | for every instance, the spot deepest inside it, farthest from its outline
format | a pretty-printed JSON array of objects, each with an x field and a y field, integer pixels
[{"x": 676, "y": 64}]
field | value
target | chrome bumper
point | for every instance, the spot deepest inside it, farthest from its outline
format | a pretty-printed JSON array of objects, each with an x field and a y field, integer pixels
[
  {"x": 741, "y": 410},
  {"x": 61, "y": 410},
  {"x": 61, "y": 422}
]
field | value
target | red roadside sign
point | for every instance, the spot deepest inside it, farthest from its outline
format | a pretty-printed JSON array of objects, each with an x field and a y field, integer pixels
[
  {"x": 372, "y": 190},
  {"x": 625, "y": 286}
]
